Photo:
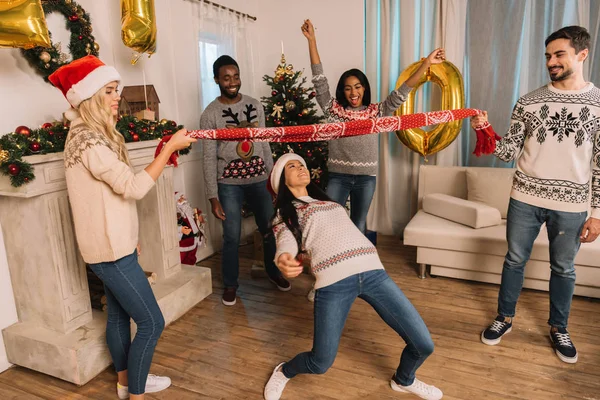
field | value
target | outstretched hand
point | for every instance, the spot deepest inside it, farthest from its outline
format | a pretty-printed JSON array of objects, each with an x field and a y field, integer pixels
[
  {"x": 437, "y": 56},
  {"x": 308, "y": 30},
  {"x": 479, "y": 120}
]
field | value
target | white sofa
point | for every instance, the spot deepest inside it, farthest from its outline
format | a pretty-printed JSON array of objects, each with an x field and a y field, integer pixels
[{"x": 458, "y": 250}]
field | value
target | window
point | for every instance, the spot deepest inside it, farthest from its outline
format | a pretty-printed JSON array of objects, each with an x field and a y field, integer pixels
[{"x": 209, "y": 52}]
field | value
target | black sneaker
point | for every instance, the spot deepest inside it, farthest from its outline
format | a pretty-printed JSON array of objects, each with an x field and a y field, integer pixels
[
  {"x": 229, "y": 296},
  {"x": 565, "y": 350},
  {"x": 493, "y": 334},
  {"x": 281, "y": 283}
]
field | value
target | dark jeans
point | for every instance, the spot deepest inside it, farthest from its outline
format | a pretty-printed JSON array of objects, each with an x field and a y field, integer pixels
[
  {"x": 260, "y": 201},
  {"x": 522, "y": 228},
  {"x": 360, "y": 189},
  {"x": 129, "y": 296},
  {"x": 332, "y": 305}
]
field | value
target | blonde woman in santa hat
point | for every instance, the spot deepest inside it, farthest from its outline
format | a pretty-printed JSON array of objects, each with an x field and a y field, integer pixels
[
  {"x": 103, "y": 189},
  {"x": 346, "y": 266}
]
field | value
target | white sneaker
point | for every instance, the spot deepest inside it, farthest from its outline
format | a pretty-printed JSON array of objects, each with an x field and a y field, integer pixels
[
  {"x": 156, "y": 383},
  {"x": 423, "y": 390},
  {"x": 122, "y": 391},
  {"x": 277, "y": 381},
  {"x": 311, "y": 295}
]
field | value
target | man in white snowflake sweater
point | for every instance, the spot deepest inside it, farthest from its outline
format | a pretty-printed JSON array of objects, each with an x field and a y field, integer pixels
[{"x": 555, "y": 137}]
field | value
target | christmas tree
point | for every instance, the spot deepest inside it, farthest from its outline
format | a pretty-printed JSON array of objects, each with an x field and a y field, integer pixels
[{"x": 292, "y": 104}]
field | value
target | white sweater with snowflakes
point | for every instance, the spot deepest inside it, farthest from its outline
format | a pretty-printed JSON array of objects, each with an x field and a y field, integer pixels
[
  {"x": 336, "y": 247},
  {"x": 555, "y": 136}
]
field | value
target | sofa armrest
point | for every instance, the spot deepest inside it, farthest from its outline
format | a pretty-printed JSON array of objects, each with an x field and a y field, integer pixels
[{"x": 465, "y": 212}]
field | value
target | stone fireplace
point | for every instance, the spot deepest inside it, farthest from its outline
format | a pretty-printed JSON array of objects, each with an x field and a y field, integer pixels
[{"x": 58, "y": 333}]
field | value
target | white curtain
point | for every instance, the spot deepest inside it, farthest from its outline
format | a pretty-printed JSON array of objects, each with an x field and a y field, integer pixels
[
  {"x": 499, "y": 48},
  {"x": 223, "y": 32},
  {"x": 398, "y": 34}
]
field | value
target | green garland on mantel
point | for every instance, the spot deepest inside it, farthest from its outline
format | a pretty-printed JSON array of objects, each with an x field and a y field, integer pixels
[{"x": 51, "y": 137}]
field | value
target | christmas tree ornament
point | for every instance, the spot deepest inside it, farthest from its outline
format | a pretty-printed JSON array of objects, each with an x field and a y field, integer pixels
[
  {"x": 23, "y": 130},
  {"x": 290, "y": 105},
  {"x": 274, "y": 93},
  {"x": 14, "y": 169},
  {"x": 23, "y": 24},
  {"x": 45, "y": 56},
  {"x": 135, "y": 137},
  {"x": 4, "y": 155},
  {"x": 277, "y": 110},
  {"x": 305, "y": 111},
  {"x": 47, "y": 125},
  {"x": 35, "y": 147}
]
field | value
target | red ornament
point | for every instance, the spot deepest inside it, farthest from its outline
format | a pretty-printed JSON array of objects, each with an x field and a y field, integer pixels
[
  {"x": 80, "y": 37},
  {"x": 135, "y": 137},
  {"x": 14, "y": 169},
  {"x": 47, "y": 125},
  {"x": 173, "y": 123},
  {"x": 131, "y": 125},
  {"x": 144, "y": 130},
  {"x": 312, "y": 94},
  {"x": 35, "y": 147},
  {"x": 51, "y": 133},
  {"x": 274, "y": 93},
  {"x": 23, "y": 130},
  {"x": 299, "y": 115},
  {"x": 73, "y": 18}
]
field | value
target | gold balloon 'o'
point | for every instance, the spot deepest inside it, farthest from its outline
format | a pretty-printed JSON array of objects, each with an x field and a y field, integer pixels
[
  {"x": 138, "y": 26},
  {"x": 450, "y": 81},
  {"x": 23, "y": 24}
]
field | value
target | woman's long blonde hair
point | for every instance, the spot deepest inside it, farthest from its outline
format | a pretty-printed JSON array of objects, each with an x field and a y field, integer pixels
[{"x": 99, "y": 118}]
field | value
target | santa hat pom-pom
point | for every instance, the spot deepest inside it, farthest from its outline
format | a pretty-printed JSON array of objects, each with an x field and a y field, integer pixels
[{"x": 71, "y": 114}]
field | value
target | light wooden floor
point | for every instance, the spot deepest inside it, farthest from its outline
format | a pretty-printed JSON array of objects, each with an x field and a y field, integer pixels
[{"x": 218, "y": 352}]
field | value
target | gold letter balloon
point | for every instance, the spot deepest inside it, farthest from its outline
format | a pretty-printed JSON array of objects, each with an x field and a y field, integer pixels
[
  {"x": 22, "y": 24},
  {"x": 449, "y": 79},
  {"x": 138, "y": 26}
]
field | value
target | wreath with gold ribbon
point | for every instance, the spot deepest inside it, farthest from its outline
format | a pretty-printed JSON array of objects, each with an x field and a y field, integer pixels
[{"x": 82, "y": 43}]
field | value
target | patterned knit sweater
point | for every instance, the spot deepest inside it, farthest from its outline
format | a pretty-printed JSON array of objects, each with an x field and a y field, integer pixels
[
  {"x": 336, "y": 247},
  {"x": 356, "y": 155},
  {"x": 555, "y": 134},
  {"x": 234, "y": 163},
  {"x": 102, "y": 191}
]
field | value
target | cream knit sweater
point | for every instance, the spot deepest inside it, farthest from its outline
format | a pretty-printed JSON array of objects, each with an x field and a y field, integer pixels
[{"x": 102, "y": 191}]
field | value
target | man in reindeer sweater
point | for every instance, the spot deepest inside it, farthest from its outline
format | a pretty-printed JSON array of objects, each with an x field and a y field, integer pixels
[
  {"x": 234, "y": 171},
  {"x": 555, "y": 137}
]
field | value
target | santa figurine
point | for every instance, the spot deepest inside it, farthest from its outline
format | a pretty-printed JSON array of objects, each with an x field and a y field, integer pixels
[{"x": 190, "y": 225}]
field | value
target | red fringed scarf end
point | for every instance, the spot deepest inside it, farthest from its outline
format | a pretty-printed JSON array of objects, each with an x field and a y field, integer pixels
[
  {"x": 173, "y": 158},
  {"x": 486, "y": 140}
]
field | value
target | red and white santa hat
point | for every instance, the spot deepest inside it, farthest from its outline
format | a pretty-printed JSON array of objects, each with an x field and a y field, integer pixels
[
  {"x": 82, "y": 78},
  {"x": 275, "y": 177}
]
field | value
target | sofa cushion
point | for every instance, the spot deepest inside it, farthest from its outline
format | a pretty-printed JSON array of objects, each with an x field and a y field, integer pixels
[
  {"x": 470, "y": 213},
  {"x": 491, "y": 186},
  {"x": 426, "y": 230}
]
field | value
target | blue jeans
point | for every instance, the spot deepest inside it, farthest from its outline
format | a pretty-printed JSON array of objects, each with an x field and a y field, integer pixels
[
  {"x": 523, "y": 225},
  {"x": 129, "y": 296},
  {"x": 260, "y": 202},
  {"x": 332, "y": 305},
  {"x": 360, "y": 189}
]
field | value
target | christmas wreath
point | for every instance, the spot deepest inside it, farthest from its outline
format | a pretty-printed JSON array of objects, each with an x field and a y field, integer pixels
[{"x": 82, "y": 43}]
